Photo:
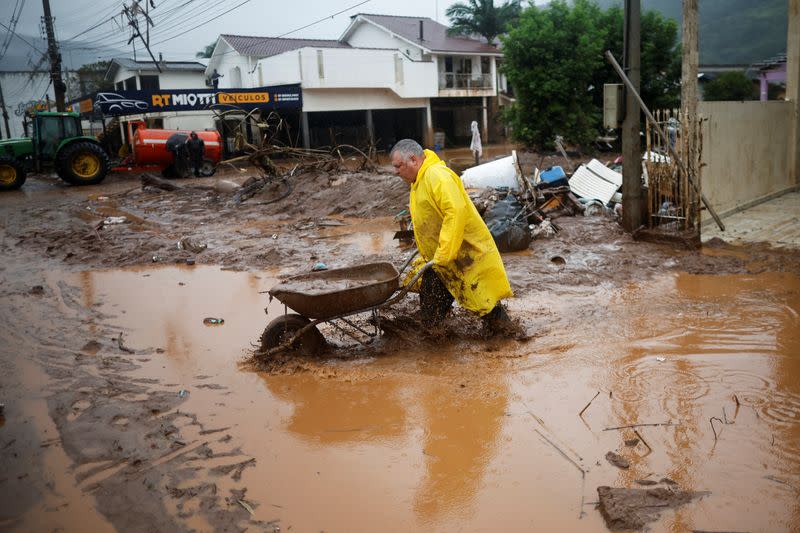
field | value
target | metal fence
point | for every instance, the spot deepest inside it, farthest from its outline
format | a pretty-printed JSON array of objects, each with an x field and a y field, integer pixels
[
  {"x": 450, "y": 80},
  {"x": 673, "y": 205}
]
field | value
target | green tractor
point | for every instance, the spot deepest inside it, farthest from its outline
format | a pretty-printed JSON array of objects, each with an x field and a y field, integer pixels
[{"x": 57, "y": 142}]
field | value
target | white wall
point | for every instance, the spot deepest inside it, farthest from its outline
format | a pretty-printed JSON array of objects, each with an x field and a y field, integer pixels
[
  {"x": 356, "y": 99},
  {"x": 189, "y": 121},
  {"x": 352, "y": 68},
  {"x": 18, "y": 88},
  {"x": 225, "y": 61},
  {"x": 167, "y": 79},
  {"x": 182, "y": 80},
  {"x": 367, "y": 35},
  {"x": 745, "y": 151}
]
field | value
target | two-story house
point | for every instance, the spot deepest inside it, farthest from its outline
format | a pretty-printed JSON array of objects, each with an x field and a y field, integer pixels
[{"x": 386, "y": 77}]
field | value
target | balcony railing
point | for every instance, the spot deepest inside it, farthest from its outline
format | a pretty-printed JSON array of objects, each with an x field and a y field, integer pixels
[{"x": 449, "y": 80}]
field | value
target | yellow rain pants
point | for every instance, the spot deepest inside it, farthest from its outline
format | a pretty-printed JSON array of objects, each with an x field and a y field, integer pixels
[{"x": 450, "y": 232}]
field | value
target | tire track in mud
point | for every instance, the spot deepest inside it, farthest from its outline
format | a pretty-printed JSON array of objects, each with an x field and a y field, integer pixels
[{"x": 130, "y": 444}]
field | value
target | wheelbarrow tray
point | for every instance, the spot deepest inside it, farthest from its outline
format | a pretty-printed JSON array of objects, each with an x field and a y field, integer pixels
[{"x": 331, "y": 293}]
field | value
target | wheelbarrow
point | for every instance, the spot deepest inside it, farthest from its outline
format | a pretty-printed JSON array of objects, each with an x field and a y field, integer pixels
[{"x": 333, "y": 297}]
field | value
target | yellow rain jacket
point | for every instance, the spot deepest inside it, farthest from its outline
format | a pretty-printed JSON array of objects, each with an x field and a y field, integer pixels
[{"x": 450, "y": 232}]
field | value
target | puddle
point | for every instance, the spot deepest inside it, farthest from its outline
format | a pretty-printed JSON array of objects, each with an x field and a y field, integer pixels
[{"x": 464, "y": 436}]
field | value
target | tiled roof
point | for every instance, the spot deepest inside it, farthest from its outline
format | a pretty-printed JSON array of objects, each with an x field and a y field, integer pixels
[
  {"x": 434, "y": 35},
  {"x": 270, "y": 46}
]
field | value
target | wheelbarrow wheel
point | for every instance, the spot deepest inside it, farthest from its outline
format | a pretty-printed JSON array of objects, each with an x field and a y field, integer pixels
[{"x": 284, "y": 327}]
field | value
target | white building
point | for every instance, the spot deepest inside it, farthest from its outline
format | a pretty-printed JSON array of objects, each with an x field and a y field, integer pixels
[
  {"x": 385, "y": 78},
  {"x": 22, "y": 90},
  {"x": 130, "y": 75}
]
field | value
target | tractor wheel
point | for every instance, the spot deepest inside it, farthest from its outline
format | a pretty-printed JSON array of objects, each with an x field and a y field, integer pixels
[
  {"x": 83, "y": 163},
  {"x": 208, "y": 168},
  {"x": 284, "y": 327},
  {"x": 12, "y": 174}
]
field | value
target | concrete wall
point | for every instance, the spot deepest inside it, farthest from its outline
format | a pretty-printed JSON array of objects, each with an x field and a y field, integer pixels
[
  {"x": 355, "y": 99},
  {"x": 746, "y": 152},
  {"x": 367, "y": 35},
  {"x": 181, "y": 79},
  {"x": 348, "y": 68},
  {"x": 19, "y": 89},
  {"x": 227, "y": 61}
]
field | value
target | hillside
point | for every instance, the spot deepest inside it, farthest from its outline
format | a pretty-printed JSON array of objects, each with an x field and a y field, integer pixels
[{"x": 731, "y": 31}]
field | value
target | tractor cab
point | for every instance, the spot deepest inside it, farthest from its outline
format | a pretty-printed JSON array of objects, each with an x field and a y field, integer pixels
[{"x": 50, "y": 129}]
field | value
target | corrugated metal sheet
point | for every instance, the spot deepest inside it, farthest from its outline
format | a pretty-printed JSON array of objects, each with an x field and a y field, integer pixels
[{"x": 595, "y": 180}]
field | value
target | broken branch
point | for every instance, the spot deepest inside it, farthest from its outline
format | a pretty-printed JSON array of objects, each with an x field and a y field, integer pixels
[
  {"x": 122, "y": 346},
  {"x": 669, "y": 423},
  {"x": 642, "y": 439},
  {"x": 590, "y": 403},
  {"x": 711, "y": 421},
  {"x": 567, "y": 457}
]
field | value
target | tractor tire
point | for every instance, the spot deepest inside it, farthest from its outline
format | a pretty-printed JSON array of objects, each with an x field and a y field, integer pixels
[
  {"x": 83, "y": 163},
  {"x": 12, "y": 174},
  {"x": 284, "y": 327}
]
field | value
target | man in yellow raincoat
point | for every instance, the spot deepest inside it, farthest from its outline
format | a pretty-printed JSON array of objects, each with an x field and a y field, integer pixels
[{"x": 449, "y": 231}]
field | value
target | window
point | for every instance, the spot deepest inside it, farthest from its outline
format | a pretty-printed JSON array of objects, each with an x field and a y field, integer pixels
[
  {"x": 71, "y": 127},
  {"x": 130, "y": 83},
  {"x": 485, "y": 65},
  {"x": 149, "y": 83}
]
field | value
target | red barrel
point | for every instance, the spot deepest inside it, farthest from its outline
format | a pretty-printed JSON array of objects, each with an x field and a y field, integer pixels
[{"x": 150, "y": 145}]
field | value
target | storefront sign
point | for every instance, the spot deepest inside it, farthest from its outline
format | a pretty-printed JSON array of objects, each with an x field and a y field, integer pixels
[{"x": 280, "y": 97}]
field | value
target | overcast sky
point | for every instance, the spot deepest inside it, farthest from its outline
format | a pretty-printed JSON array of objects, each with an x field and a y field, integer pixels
[{"x": 173, "y": 33}]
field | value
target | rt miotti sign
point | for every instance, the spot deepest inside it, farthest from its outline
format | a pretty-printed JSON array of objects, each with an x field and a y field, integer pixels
[{"x": 139, "y": 102}]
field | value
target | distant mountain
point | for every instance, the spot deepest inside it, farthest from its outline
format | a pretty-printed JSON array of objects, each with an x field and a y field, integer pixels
[
  {"x": 731, "y": 31},
  {"x": 21, "y": 56}
]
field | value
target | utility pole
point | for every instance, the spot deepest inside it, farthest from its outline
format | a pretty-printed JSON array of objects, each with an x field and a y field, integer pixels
[
  {"x": 132, "y": 13},
  {"x": 689, "y": 119},
  {"x": 5, "y": 113},
  {"x": 55, "y": 57},
  {"x": 631, "y": 145}
]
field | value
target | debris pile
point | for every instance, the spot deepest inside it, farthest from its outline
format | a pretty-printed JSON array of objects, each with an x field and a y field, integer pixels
[{"x": 513, "y": 204}]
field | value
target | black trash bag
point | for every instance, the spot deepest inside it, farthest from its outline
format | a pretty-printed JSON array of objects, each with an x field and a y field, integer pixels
[{"x": 508, "y": 226}]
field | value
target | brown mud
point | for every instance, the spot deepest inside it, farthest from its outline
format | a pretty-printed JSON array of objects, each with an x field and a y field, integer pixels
[{"x": 690, "y": 359}]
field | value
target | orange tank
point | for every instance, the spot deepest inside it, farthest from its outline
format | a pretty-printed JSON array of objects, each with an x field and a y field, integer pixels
[{"x": 150, "y": 145}]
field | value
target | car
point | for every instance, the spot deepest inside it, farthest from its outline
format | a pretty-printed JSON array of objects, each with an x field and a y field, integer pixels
[{"x": 106, "y": 102}]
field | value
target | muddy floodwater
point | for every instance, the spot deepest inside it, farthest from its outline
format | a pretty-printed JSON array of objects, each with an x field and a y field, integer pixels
[
  {"x": 126, "y": 411},
  {"x": 459, "y": 437}
]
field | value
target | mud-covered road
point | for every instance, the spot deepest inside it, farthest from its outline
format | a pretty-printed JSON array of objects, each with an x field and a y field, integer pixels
[{"x": 124, "y": 411}]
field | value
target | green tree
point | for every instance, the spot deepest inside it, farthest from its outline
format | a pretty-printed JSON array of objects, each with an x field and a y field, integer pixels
[
  {"x": 481, "y": 17},
  {"x": 206, "y": 52},
  {"x": 729, "y": 86},
  {"x": 660, "y": 58},
  {"x": 91, "y": 78},
  {"x": 551, "y": 58}
]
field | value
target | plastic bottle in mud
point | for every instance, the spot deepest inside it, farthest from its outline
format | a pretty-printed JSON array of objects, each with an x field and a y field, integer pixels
[{"x": 211, "y": 321}]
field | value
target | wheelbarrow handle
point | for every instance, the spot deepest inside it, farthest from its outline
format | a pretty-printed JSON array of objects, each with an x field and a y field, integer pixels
[
  {"x": 410, "y": 259},
  {"x": 407, "y": 287}
]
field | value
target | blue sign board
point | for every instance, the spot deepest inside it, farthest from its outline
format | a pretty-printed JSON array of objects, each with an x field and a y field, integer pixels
[{"x": 118, "y": 103}]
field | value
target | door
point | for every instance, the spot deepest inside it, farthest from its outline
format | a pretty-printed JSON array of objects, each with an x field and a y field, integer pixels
[{"x": 49, "y": 133}]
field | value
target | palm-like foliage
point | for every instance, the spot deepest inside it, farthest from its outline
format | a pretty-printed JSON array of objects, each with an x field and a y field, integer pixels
[
  {"x": 481, "y": 17},
  {"x": 206, "y": 52}
]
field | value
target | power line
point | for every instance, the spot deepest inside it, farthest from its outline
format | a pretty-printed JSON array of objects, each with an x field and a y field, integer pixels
[
  {"x": 22, "y": 39},
  {"x": 203, "y": 24},
  {"x": 111, "y": 37},
  {"x": 323, "y": 19},
  {"x": 15, "y": 14}
]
